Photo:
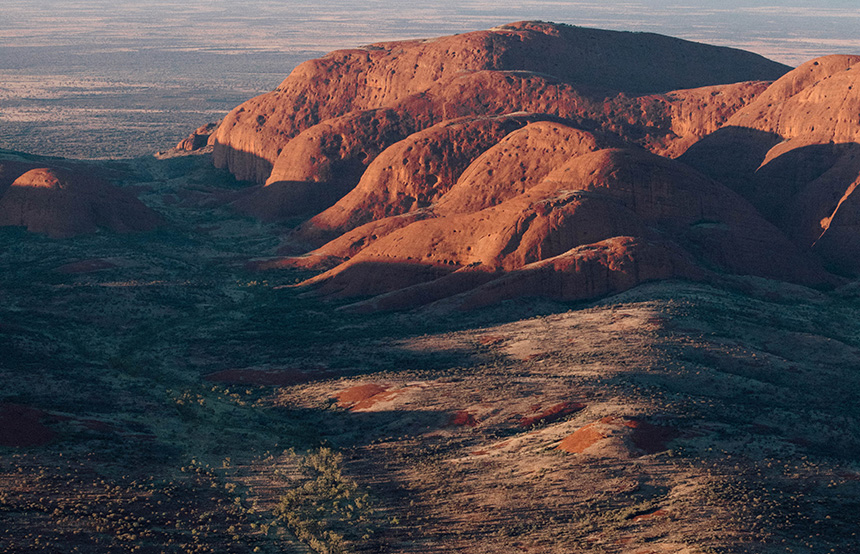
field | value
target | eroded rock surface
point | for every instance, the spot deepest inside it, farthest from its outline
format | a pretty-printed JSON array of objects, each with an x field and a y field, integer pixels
[{"x": 386, "y": 74}]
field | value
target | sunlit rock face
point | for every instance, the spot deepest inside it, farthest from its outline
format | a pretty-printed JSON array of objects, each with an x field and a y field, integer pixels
[
  {"x": 479, "y": 166},
  {"x": 61, "y": 204},
  {"x": 562, "y": 69}
]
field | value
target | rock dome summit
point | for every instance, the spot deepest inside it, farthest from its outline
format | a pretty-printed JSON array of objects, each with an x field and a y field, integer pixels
[{"x": 64, "y": 203}]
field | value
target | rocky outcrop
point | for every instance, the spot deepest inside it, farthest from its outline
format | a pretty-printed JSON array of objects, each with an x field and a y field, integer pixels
[
  {"x": 11, "y": 170},
  {"x": 63, "y": 204},
  {"x": 517, "y": 163},
  {"x": 592, "y": 198},
  {"x": 340, "y": 149},
  {"x": 538, "y": 159},
  {"x": 818, "y": 102},
  {"x": 794, "y": 152},
  {"x": 590, "y": 271},
  {"x": 383, "y": 75},
  {"x": 197, "y": 139},
  {"x": 695, "y": 113},
  {"x": 414, "y": 173}
]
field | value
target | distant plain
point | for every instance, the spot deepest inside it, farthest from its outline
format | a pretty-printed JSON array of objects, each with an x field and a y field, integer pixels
[{"x": 96, "y": 79}]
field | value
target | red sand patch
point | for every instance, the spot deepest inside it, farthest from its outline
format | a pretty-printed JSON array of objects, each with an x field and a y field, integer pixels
[
  {"x": 489, "y": 340},
  {"x": 22, "y": 426},
  {"x": 85, "y": 266},
  {"x": 581, "y": 439},
  {"x": 266, "y": 377},
  {"x": 462, "y": 419},
  {"x": 648, "y": 437},
  {"x": 552, "y": 414},
  {"x": 362, "y": 397}
]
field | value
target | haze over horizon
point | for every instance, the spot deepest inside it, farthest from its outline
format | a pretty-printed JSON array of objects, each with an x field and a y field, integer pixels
[{"x": 158, "y": 68}]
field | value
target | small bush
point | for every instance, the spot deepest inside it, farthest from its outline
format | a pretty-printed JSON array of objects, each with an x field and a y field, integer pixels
[{"x": 326, "y": 509}]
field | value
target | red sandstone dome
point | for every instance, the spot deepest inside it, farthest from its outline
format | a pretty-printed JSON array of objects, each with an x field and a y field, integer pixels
[
  {"x": 527, "y": 66},
  {"x": 535, "y": 159},
  {"x": 61, "y": 203},
  {"x": 623, "y": 216},
  {"x": 794, "y": 152}
]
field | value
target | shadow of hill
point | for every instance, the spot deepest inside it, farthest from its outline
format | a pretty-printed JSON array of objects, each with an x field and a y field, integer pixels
[
  {"x": 747, "y": 161},
  {"x": 731, "y": 156},
  {"x": 804, "y": 189},
  {"x": 282, "y": 200}
]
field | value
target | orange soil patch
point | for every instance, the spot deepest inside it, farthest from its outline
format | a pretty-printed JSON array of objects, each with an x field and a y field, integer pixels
[
  {"x": 362, "y": 397},
  {"x": 462, "y": 419},
  {"x": 581, "y": 439},
  {"x": 489, "y": 340},
  {"x": 648, "y": 437},
  {"x": 22, "y": 426},
  {"x": 85, "y": 266},
  {"x": 552, "y": 414},
  {"x": 265, "y": 377}
]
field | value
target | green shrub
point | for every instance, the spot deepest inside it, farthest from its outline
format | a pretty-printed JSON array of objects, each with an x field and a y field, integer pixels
[{"x": 326, "y": 509}]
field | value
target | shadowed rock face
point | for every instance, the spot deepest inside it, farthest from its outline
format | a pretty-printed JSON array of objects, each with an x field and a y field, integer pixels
[
  {"x": 253, "y": 135},
  {"x": 794, "y": 152},
  {"x": 11, "y": 170},
  {"x": 64, "y": 204}
]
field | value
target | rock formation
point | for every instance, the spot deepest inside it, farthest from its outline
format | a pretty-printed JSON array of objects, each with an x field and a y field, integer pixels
[
  {"x": 398, "y": 75},
  {"x": 595, "y": 224},
  {"x": 62, "y": 204},
  {"x": 197, "y": 139},
  {"x": 794, "y": 152},
  {"x": 538, "y": 159}
]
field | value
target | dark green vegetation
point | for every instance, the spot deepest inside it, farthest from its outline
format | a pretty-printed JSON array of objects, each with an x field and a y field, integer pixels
[
  {"x": 114, "y": 361},
  {"x": 753, "y": 389}
]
